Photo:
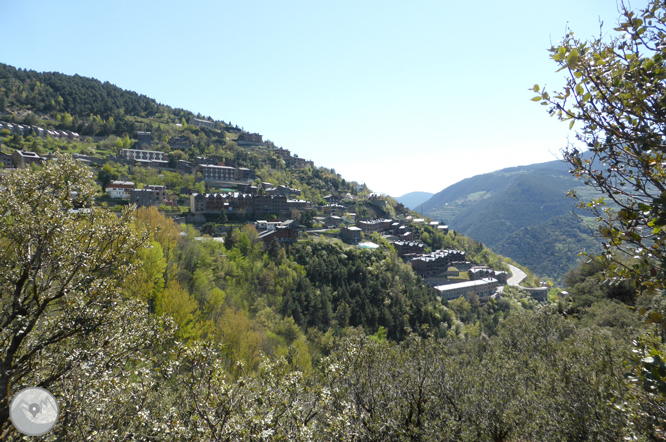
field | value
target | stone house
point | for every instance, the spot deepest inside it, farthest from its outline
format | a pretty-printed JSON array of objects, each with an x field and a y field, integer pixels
[
  {"x": 406, "y": 248},
  {"x": 217, "y": 173},
  {"x": 435, "y": 262},
  {"x": 351, "y": 235},
  {"x": 21, "y": 159},
  {"x": 202, "y": 123},
  {"x": 149, "y": 196},
  {"x": 144, "y": 138},
  {"x": 333, "y": 221}
]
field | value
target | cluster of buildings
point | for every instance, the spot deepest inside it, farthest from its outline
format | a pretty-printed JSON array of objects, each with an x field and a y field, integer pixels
[
  {"x": 483, "y": 281},
  {"x": 405, "y": 238},
  {"x": 151, "y": 195},
  {"x": 293, "y": 161},
  {"x": 436, "y": 262},
  {"x": 244, "y": 203},
  {"x": 212, "y": 169},
  {"x": 25, "y": 130}
]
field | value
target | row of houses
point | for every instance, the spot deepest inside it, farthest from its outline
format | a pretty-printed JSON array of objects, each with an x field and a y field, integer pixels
[
  {"x": 293, "y": 161},
  {"x": 205, "y": 166},
  {"x": 244, "y": 203},
  {"x": 26, "y": 129},
  {"x": 352, "y": 235},
  {"x": 436, "y": 262}
]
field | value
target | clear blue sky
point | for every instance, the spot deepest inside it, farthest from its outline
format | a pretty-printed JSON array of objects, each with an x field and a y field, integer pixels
[{"x": 404, "y": 96}]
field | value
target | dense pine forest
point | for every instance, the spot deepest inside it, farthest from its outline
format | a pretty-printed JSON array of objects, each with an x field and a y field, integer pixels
[{"x": 148, "y": 329}]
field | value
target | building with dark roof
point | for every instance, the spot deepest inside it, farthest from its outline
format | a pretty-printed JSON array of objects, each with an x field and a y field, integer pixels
[
  {"x": 406, "y": 248},
  {"x": 149, "y": 196},
  {"x": 377, "y": 225},
  {"x": 202, "y": 123},
  {"x": 21, "y": 159},
  {"x": 144, "y": 138},
  {"x": 436, "y": 262},
  {"x": 351, "y": 235}
]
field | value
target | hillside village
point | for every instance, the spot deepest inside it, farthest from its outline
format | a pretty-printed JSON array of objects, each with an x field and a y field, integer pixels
[
  {"x": 169, "y": 276},
  {"x": 230, "y": 193}
]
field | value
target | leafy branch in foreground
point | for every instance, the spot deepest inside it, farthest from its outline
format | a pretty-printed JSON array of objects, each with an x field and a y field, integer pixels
[{"x": 616, "y": 91}]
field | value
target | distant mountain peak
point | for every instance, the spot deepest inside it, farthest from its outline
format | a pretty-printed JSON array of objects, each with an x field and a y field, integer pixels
[{"x": 413, "y": 199}]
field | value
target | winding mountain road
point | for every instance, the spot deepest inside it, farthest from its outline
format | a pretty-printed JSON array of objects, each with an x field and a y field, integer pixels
[{"x": 517, "y": 275}]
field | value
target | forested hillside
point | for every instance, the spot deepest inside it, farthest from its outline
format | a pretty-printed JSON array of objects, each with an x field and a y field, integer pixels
[
  {"x": 521, "y": 212},
  {"x": 551, "y": 247},
  {"x": 300, "y": 343},
  {"x": 85, "y": 105},
  {"x": 147, "y": 329}
]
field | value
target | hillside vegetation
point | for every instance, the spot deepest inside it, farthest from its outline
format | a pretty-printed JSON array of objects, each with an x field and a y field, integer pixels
[
  {"x": 145, "y": 329},
  {"x": 521, "y": 212}
]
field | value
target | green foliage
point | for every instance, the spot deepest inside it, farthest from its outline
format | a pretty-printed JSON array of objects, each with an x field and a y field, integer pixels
[
  {"x": 550, "y": 248},
  {"x": 278, "y": 344},
  {"x": 531, "y": 382},
  {"x": 520, "y": 212},
  {"x": 611, "y": 87},
  {"x": 615, "y": 89},
  {"x": 587, "y": 284},
  {"x": 60, "y": 270},
  {"x": 366, "y": 288}
]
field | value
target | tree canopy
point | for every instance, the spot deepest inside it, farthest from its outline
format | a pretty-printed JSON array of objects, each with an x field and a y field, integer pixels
[{"x": 60, "y": 267}]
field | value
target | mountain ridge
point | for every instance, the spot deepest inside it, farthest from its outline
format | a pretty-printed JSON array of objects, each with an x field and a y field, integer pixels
[
  {"x": 494, "y": 207},
  {"x": 412, "y": 200}
]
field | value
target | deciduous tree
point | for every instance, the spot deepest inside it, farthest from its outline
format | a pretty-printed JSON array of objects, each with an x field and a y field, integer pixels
[{"x": 59, "y": 270}]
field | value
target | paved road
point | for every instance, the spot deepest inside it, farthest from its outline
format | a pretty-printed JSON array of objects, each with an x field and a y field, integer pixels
[{"x": 518, "y": 275}]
